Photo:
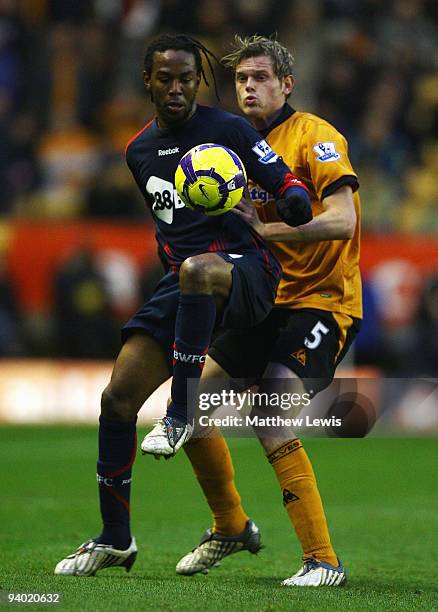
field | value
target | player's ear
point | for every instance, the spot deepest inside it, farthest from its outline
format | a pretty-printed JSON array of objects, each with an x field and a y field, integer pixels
[
  {"x": 288, "y": 84},
  {"x": 147, "y": 83}
]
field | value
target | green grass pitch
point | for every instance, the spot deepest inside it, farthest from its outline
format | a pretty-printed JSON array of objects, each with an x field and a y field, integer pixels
[{"x": 381, "y": 499}]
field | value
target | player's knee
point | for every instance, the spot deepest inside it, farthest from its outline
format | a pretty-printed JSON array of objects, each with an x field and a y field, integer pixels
[
  {"x": 115, "y": 408},
  {"x": 195, "y": 275}
]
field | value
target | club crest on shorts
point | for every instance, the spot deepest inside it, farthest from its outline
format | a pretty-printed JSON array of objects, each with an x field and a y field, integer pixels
[
  {"x": 300, "y": 356},
  {"x": 326, "y": 151}
]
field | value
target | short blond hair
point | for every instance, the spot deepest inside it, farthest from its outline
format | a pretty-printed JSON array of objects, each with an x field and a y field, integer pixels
[{"x": 253, "y": 46}]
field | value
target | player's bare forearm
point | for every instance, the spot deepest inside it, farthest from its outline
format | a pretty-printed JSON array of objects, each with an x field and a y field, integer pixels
[{"x": 336, "y": 222}]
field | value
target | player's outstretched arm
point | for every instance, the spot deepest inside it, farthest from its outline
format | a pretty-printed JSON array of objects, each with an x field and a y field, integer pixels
[{"x": 336, "y": 222}]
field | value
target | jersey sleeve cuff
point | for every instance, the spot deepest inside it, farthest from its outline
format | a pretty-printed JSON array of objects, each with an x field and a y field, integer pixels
[{"x": 349, "y": 179}]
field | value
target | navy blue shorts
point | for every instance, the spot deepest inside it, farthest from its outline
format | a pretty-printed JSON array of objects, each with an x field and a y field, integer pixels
[{"x": 255, "y": 277}]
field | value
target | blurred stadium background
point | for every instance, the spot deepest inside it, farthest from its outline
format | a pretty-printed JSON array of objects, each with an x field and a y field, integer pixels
[{"x": 77, "y": 253}]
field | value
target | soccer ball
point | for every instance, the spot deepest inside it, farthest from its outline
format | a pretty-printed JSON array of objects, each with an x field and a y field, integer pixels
[{"x": 210, "y": 178}]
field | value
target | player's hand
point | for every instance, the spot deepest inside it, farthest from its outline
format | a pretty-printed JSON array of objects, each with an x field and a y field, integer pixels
[
  {"x": 246, "y": 210},
  {"x": 295, "y": 208}
]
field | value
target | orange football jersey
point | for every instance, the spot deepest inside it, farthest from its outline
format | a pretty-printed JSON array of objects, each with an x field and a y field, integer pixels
[{"x": 322, "y": 274}]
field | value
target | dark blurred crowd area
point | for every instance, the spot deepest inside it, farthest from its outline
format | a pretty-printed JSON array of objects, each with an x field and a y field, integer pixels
[{"x": 71, "y": 96}]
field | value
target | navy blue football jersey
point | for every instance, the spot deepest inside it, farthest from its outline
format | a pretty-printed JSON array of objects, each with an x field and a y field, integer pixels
[{"x": 153, "y": 155}]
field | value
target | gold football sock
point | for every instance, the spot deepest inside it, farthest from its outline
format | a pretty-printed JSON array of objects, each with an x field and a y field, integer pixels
[
  {"x": 302, "y": 500},
  {"x": 212, "y": 464}
]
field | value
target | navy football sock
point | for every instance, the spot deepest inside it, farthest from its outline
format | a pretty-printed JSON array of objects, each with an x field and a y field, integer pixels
[
  {"x": 194, "y": 326},
  {"x": 117, "y": 448}
]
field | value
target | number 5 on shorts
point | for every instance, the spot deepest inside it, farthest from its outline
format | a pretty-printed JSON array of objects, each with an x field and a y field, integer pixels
[{"x": 318, "y": 330}]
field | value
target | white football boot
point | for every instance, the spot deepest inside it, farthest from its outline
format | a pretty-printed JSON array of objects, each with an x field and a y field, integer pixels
[
  {"x": 166, "y": 438},
  {"x": 91, "y": 557},
  {"x": 317, "y": 573},
  {"x": 213, "y": 547}
]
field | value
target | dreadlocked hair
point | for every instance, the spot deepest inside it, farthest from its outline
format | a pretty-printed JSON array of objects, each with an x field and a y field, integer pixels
[
  {"x": 181, "y": 42},
  {"x": 253, "y": 46}
]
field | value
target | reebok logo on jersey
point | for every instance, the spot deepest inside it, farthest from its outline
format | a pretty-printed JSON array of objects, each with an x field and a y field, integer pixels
[
  {"x": 178, "y": 356},
  {"x": 326, "y": 151},
  {"x": 265, "y": 154},
  {"x": 162, "y": 152}
]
